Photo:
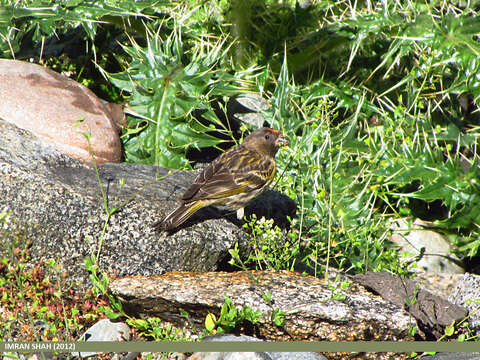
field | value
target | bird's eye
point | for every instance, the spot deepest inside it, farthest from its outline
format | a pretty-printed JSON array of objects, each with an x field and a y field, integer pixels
[{"x": 267, "y": 137}]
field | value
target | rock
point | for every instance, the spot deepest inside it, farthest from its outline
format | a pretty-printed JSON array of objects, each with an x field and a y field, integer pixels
[
  {"x": 251, "y": 355},
  {"x": 33, "y": 356},
  {"x": 50, "y": 105},
  {"x": 133, "y": 355},
  {"x": 230, "y": 356},
  {"x": 161, "y": 356},
  {"x": 438, "y": 284},
  {"x": 247, "y": 108},
  {"x": 432, "y": 247},
  {"x": 433, "y": 312},
  {"x": 467, "y": 294},
  {"x": 452, "y": 356},
  {"x": 105, "y": 330},
  {"x": 57, "y": 205},
  {"x": 313, "y": 309},
  {"x": 295, "y": 356}
]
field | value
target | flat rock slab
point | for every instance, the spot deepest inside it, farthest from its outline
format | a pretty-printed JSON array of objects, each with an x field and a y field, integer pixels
[
  {"x": 313, "y": 309},
  {"x": 51, "y": 106},
  {"x": 433, "y": 311}
]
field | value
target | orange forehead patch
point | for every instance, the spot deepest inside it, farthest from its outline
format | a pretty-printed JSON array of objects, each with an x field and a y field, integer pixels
[{"x": 273, "y": 130}]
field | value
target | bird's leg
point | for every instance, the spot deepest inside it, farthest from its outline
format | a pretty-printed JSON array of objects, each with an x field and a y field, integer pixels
[{"x": 240, "y": 213}]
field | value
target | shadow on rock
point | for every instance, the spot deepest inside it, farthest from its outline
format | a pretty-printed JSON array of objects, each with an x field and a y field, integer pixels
[{"x": 272, "y": 204}]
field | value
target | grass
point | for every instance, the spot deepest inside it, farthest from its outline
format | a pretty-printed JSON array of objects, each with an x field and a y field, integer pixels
[{"x": 378, "y": 99}]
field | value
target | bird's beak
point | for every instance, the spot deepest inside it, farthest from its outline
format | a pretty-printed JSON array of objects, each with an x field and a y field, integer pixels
[{"x": 282, "y": 141}]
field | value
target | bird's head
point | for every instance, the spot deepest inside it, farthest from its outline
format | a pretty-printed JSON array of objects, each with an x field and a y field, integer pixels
[{"x": 266, "y": 141}]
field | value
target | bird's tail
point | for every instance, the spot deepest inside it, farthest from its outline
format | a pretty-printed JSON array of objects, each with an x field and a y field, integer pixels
[{"x": 178, "y": 216}]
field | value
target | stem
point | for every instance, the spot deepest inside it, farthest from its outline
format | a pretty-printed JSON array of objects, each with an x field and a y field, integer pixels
[
  {"x": 240, "y": 17},
  {"x": 330, "y": 202},
  {"x": 160, "y": 115}
]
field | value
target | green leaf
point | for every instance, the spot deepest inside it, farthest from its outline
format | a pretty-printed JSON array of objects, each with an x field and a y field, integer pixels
[
  {"x": 450, "y": 329},
  {"x": 210, "y": 322},
  {"x": 140, "y": 324},
  {"x": 166, "y": 85},
  {"x": 278, "y": 317},
  {"x": 111, "y": 314}
]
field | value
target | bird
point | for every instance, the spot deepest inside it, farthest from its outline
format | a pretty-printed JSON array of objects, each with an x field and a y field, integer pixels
[{"x": 233, "y": 179}]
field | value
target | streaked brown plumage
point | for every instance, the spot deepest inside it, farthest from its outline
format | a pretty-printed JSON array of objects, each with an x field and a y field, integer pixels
[{"x": 233, "y": 179}]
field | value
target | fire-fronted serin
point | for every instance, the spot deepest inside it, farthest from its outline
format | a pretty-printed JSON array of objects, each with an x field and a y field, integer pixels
[{"x": 233, "y": 179}]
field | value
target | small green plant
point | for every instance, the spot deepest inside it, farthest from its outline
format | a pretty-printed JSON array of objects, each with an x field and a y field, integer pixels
[
  {"x": 153, "y": 328},
  {"x": 100, "y": 281},
  {"x": 410, "y": 301},
  {"x": 5, "y": 215},
  {"x": 419, "y": 356},
  {"x": 233, "y": 319},
  {"x": 337, "y": 290},
  {"x": 278, "y": 317},
  {"x": 459, "y": 331},
  {"x": 412, "y": 330},
  {"x": 109, "y": 210},
  {"x": 271, "y": 248},
  {"x": 230, "y": 318}
]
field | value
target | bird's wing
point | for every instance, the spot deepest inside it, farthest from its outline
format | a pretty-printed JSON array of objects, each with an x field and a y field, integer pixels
[{"x": 238, "y": 171}]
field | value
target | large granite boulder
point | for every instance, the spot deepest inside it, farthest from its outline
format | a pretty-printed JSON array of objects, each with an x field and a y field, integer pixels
[{"x": 60, "y": 111}]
